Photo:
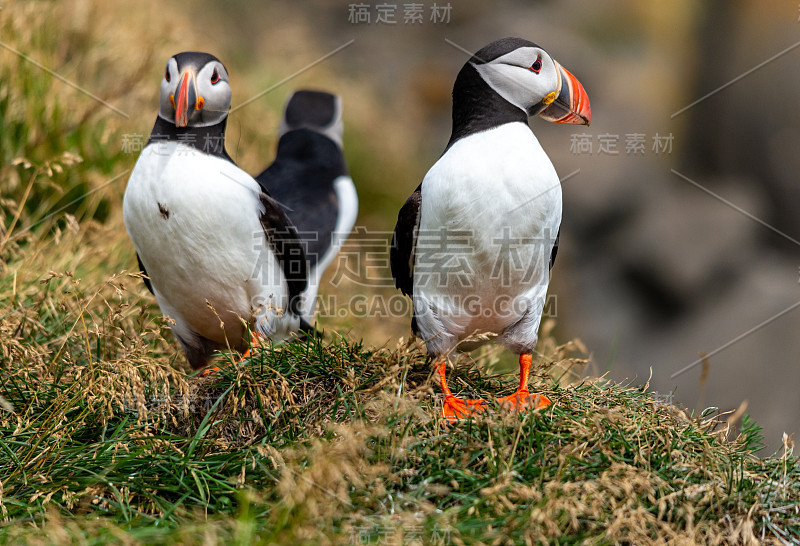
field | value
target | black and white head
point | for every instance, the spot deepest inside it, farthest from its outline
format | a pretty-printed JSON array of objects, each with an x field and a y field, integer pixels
[
  {"x": 194, "y": 91},
  {"x": 527, "y": 76},
  {"x": 316, "y": 110}
]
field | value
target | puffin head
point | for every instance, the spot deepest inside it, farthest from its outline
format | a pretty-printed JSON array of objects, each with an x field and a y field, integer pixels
[
  {"x": 318, "y": 111},
  {"x": 195, "y": 90},
  {"x": 527, "y": 76}
]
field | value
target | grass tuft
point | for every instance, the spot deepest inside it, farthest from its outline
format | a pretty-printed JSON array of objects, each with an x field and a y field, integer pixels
[{"x": 329, "y": 441}]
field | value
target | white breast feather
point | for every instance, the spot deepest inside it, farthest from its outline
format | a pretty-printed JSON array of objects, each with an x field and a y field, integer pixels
[
  {"x": 210, "y": 249},
  {"x": 497, "y": 185}
]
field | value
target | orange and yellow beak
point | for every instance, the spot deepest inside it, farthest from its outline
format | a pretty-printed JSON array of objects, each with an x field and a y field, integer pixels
[
  {"x": 570, "y": 103},
  {"x": 186, "y": 98}
]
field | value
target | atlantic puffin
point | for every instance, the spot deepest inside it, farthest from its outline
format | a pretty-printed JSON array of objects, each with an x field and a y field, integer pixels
[
  {"x": 475, "y": 242},
  {"x": 219, "y": 254},
  {"x": 309, "y": 179}
]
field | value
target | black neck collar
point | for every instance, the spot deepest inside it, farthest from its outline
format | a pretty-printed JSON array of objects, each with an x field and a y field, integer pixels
[
  {"x": 209, "y": 139},
  {"x": 477, "y": 107}
]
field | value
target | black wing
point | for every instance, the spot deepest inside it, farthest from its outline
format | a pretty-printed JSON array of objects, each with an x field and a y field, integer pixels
[
  {"x": 288, "y": 249},
  {"x": 146, "y": 279},
  {"x": 555, "y": 248},
  {"x": 301, "y": 181},
  {"x": 404, "y": 242}
]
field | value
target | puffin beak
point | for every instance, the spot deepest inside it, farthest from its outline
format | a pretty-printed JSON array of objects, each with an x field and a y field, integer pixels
[
  {"x": 186, "y": 99},
  {"x": 570, "y": 103}
]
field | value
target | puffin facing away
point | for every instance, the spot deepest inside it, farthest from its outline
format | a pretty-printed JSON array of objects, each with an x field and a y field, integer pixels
[
  {"x": 475, "y": 242},
  {"x": 309, "y": 179},
  {"x": 221, "y": 256}
]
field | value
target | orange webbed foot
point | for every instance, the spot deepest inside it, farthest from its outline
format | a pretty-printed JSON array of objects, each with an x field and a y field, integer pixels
[
  {"x": 459, "y": 408},
  {"x": 254, "y": 341},
  {"x": 209, "y": 371},
  {"x": 522, "y": 400}
]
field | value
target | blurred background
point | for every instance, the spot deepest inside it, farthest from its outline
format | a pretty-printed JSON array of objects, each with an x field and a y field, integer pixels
[{"x": 680, "y": 235}]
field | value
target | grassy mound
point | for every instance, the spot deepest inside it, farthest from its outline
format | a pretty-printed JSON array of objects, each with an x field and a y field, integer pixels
[{"x": 332, "y": 442}]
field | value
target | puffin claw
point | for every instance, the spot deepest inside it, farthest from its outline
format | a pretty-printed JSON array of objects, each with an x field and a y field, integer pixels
[
  {"x": 522, "y": 400},
  {"x": 459, "y": 408},
  {"x": 209, "y": 371},
  {"x": 254, "y": 340}
]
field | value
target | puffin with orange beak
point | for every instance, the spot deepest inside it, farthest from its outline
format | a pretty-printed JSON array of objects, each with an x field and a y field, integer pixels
[
  {"x": 220, "y": 255},
  {"x": 475, "y": 242}
]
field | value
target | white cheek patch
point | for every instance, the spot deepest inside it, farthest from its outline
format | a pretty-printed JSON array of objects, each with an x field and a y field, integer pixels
[
  {"x": 217, "y": 104},
  {"x": 166, "y": 109},
  {"x": 507, "y": 81},
  {"x": 510, "y": 78},
  {"x": 216, "y": 96}
]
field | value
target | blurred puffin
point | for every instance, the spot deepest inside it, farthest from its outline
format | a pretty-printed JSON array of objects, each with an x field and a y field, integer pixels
[
  {"x": 221, "y": 255},
  {"x": 475, "y": 242},
  {"x": 309, "y": 179}
]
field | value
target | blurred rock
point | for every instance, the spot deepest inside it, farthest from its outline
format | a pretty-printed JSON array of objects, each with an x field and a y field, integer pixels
[{"x": 676, "y": 267}]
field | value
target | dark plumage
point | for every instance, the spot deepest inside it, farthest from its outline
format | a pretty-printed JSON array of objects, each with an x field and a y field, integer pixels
[{"x": 309, "y": 179}]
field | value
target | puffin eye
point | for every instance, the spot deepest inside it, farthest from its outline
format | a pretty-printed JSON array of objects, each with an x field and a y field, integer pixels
[
  {"x": 214, "y": 77},
  {"x": 537, "y": 65},
  {"x": 166, "y": 74}
]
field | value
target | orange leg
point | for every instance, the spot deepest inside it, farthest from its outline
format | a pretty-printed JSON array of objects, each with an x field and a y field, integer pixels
[
  {"x": 456, "y": 408},
  {"x": 523, "y": 399},
  {"x": 254, "y": 340}
]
